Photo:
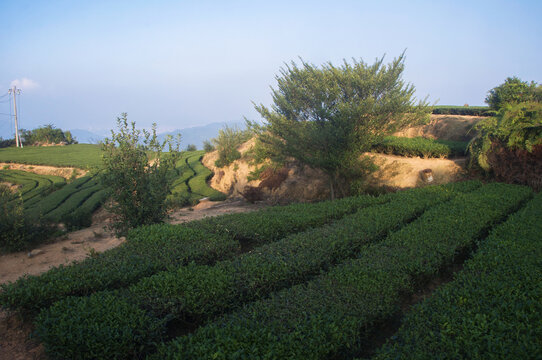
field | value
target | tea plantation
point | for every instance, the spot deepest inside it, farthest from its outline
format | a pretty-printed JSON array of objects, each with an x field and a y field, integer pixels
[
  {"x": 51, "y": 198},
  {"x": 306, "y": 281}
]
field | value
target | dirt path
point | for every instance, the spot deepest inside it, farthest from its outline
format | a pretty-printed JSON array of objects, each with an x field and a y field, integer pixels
[{"x": 15, "y": 343}]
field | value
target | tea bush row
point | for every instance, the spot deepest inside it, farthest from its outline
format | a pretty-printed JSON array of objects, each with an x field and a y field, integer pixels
[
  {"x": 331, "y": 316},
  {"x": 33, "y": 185},
  {"x": 463, "y": 110},
  {"x": 154, "y": 248},
  {"x": 197, "y": 293},
  {"x": 422, "y": 147},
  {"x": 492, "y": 310},
  {"x": 198, "y": 183}
]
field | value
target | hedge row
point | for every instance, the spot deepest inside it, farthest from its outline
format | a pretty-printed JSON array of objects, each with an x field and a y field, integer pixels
[
  {"x": 33, "y": 185},
  {"x": 196, "y": 293},
  {"x": 154, "y": 248},
  {"x": 464, "y": 110},
  {"x": 419, "y": 146},
  {"x": 198, "y": 183},
  {"x": 56, "y": 198},
  {"x": 330, "y": 316},
  {"x": 493, "y": 308}
]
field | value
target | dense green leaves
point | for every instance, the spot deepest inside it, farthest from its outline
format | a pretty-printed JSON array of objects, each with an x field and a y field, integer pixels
[
  {"x": 419, "y": 146},
  {"x": 492, "y": 310},
  {"x": 462, "y": 110},
  {"x": 513, "y": 91},
  {"x": 197, "y": 293},
  {"x": 326, "y": 317},
  {"x": 325, "y": 117}
]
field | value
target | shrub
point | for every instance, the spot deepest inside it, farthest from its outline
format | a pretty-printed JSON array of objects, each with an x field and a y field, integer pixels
[
  {"x": 473, "y": 316},
  {"x": 463, "y": 110},
  {"x": 77, "y": 219},
  {"x": 17, "y": 232},
  {"x": 191, "y": 147},
  {"x": 125, "y": 328},
  {"x": 331, "y": 316},
  {"x": 419, "y": 146},
  {"x": 513, "y": 91},
  {"x": 207, "y": 146},
  {"x": 139, "y": 186},
  {"x": 227, "y": 142},
  {"x": 506, "y": 146}
]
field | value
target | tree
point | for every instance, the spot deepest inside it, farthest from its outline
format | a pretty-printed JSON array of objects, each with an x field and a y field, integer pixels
[
  {"x": 47, "y": 134},
  {"x": 191, "y": 147},
  {"x": 513, "y": 91},
  {"x": 207, "y": 146},
  {"x": 326, "y": 117},
  {"x": 139, "y": 174}
]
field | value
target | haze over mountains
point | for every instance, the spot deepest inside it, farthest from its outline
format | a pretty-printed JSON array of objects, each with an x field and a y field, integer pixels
[{"x": 193, "y": 135}]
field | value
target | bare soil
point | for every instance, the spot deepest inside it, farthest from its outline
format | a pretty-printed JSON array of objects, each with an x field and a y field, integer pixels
[
  {"x": 65, "y": 172},
  {"x": 15, "y": 340}
]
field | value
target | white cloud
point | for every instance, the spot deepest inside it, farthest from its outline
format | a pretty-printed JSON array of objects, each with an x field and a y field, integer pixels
[{"x": 25, "y": 84}]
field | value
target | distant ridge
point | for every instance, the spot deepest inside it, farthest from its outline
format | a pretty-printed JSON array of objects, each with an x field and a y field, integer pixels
[{"x": 192, "y": 135}]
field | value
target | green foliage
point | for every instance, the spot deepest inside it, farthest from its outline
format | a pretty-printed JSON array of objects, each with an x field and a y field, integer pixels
[
  {"x": 16, "y": 231},
  {"x": 200, "y": 293},
  {"x": 47, "y": 134},
  {"x": 463, "y": 110},
  {"x": 84, "y": 156},
  {"x": 125, "y": 329},
  {"x": 331, "y": 316},
  {"x": 191, "y": 147},
  {"x": 198, "y": 183},
  {"x": 326, "y": 117},
  {"x": 148, "y": 250},
  {"x": 517, "y": 126},
  {"x": 139, "y": 174},
  {"x": 207, "y": 146},
  {"x": 497, "y": 291},
  {"x": 227, "y": 142},
  {"x": 419, "y": 146},
  {"x": 197, "y": 292},
  {"x": 513, "y": 91}
]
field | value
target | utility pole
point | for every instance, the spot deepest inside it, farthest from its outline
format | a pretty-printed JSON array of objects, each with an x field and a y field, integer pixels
[{"x": 15, "y": 92}]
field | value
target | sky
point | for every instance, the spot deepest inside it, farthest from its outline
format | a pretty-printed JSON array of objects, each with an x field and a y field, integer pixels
[{"x": 181, "y": 64}]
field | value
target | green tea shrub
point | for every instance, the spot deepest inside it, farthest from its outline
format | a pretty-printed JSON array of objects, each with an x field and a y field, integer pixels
[
  {"x": 332, "y": 315},
  {"x": 492, "y": 308}
]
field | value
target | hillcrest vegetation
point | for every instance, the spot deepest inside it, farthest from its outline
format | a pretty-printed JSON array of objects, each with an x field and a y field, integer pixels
[{"x": 326, "y": 117}]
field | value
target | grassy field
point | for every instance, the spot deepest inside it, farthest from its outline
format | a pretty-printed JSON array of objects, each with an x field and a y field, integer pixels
[
  {"x": 84, "y": 156},
  {"x": 317, "y": 282}
]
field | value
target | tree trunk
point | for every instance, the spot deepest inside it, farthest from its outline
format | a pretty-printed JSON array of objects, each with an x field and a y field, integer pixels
[{"x": 331, "y": 188}]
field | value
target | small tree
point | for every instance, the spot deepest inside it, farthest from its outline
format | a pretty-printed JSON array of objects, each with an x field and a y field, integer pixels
[
  {"x": 191, "y": 147},
  {"x": 207, "y": 146},
  {"x": 227, "y": 142},
  {"x": 326, "y": 117},
  {"x": 139, "y": 174},
  {"x": 513, "y": 91}
]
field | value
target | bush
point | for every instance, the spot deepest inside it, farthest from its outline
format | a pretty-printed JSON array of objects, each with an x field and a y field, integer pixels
[
  {"x": 16, "y": 231},
  {"x": 422, "y": 147},
  {"x": 513, "y": 91},
  {"x": 191, "y": 147},
  {"x": 497, "y": 291},
  {"x": 507, "y": 146},
  {"x": 47, "y": 134},
  {"x": 139, "y": 174},
  {"x": 197, "y": 293},
  {"x": 77, "y": 219},
  {"x": 126, "y": 328},
  {"x": 207, "y": 146},
  {"x": 463, "y": 110},
  {"x": 227, "y": 142},
  {"x": 332, "y": 315}
]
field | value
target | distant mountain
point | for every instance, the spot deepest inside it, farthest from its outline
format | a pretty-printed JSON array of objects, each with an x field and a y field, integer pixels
[
  {"x": 193, "y": 135},
  {"x": 86, "y": 137},
  {"x": 196, "y": 135}
]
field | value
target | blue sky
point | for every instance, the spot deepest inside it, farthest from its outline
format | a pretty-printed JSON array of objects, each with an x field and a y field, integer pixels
[{"x": 188, "y": 63}]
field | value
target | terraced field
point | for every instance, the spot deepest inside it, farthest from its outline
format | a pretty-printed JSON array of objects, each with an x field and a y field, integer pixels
[
  {"x": 304, "y": 281},
  {"x": 50, "y": 197}
]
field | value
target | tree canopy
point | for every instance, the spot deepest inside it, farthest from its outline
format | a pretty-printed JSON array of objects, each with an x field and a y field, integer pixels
[
  {"x": 513, "y": 90},
  {"x": 326, "y": 117}
]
